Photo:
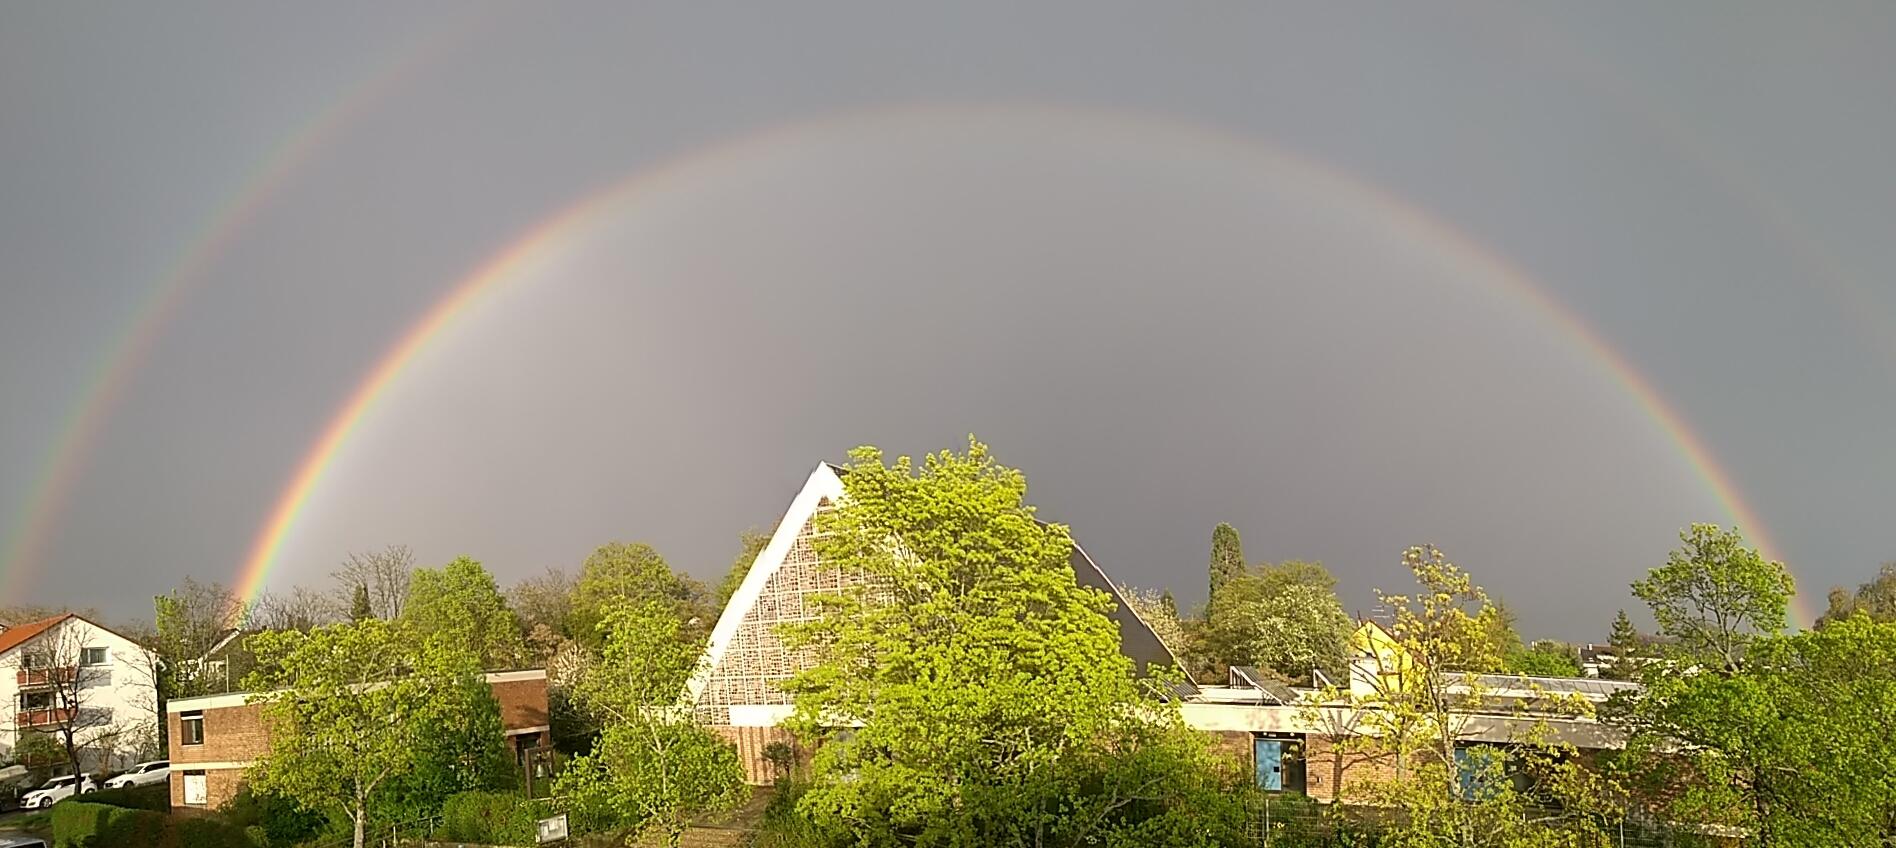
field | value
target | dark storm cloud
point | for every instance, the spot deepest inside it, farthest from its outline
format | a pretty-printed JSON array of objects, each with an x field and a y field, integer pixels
[{"x": 1161, "y": 338}]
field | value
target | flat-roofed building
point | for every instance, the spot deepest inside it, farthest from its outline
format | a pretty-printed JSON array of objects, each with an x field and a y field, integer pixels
[{"x": 215, "y": 737}]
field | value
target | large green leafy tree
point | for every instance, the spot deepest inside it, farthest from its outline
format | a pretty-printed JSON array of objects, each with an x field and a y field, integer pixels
[
  {"x": 370, "y": 716},
  {"x": 1227, "y": 556},
  {"x": 1714, "y": 595},
  {"x": 1789, "y": 746},
  {"x": 969, "y": 691},
  {"x": 461, "y": 601},
  {"x": 1284, "y": 617},
  {"x": 632, "y": 572},
  {"x": 1424, "y": 707},
  {"x": 653, "y": 769}
]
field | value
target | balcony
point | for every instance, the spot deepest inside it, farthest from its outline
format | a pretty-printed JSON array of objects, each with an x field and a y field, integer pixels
[
  {"x": 46, "y": 717},
  {"x": 32, "y": 677}
]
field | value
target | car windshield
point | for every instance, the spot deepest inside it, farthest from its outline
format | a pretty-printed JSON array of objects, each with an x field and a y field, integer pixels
[{"x": 56, "y": 782}]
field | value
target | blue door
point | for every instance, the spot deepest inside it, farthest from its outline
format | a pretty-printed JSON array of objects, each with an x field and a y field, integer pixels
[{"x": 1270, "y": 763}]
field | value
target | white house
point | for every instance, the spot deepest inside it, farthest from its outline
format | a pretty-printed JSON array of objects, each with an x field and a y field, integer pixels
[{"x": 67, "y": 674}]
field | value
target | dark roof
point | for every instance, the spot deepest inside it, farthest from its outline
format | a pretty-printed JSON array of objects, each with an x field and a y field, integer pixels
[{"x": 1136, "y": 638}]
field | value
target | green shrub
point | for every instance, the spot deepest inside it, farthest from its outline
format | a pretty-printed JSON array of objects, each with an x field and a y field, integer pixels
[
  {"x": 492, "y": 818},
  {"x": 78, "y": 824},
  {"x": 279, "y": 820},
  {"x": 156, "y": 797},
  {"x": 209, "y": 833}
]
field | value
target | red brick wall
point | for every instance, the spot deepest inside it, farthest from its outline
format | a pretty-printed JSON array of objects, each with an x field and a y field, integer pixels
[
  {"x": 231, "y": 734},
  {"x": 522, "y": 703},
  {"x": 220, "y": 785}
]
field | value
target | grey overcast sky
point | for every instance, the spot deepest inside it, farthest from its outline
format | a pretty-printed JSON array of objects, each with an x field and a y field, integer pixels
[{"x": 1348, "y": 276}]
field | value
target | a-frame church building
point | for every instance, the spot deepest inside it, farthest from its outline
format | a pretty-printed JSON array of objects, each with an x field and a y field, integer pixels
[{"x": 737, "y": 691}]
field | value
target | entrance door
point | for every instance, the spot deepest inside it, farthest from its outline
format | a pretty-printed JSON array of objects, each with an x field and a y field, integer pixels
[{"x": 1270, "y": 763}]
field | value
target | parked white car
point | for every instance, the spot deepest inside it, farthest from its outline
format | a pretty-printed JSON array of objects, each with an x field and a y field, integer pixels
[
  {"x": 53, "y": 790},
  {"x": 143, "y": 774}
]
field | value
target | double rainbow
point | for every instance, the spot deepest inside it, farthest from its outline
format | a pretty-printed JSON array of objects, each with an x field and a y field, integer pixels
[{"x": 567, "y": 228}]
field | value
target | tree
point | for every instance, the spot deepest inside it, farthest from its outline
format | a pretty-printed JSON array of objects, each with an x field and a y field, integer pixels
[
  {"x": 1544, "y": 658},
  {"x": 653, "y": 769},
  {"x": 359, "y": 608},
  {"x": 1790, "y": 745},
  {"x": 1227, "y": 555},
  {"x": 462, "y": 600},
  {"x": 355, "y": 708},
  {"x": 385, "y": 573},
  {"x": 189, "y": 620},
  {"x": 71, "y": 701},
  {"x": 751, "y": 543},
  {"x": 1162, "y": 617},
  {"x": 1714, "y": 596},
  {"x": 1624, "y": 640},
  {"x": 544, "y": 605},
  {"x": 1421, "y": 684},
  {"x": 300, "y": 609},
  {"x": 1877, "y": 599},
  {"x": 967, "y": 690},
  {"x": 632, "y": 572},
  {"x": 1284, "y": 617}
]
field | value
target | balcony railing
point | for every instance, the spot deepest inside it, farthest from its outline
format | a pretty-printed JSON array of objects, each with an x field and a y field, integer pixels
[
  {"x": 48, "y": 676},
  {"x": 44, "y": 717}
]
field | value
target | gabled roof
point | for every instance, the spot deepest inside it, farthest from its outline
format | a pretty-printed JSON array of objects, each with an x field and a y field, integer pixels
[
  {"x": 1137, "y": 639},
  {"x": 19, "y": 635}
]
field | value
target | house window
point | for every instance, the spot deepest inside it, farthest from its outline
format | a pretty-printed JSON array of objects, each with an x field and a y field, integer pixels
[
  {"x": 36, "y": 700},
  {"x": 195, "y": 792},
  {"x": 92, "y": 656},
  {"x": 191, "y": 730}
]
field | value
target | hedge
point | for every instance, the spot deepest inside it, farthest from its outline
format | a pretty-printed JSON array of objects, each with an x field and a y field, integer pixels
[
  {"x": 209, "y": 833},
  {"x": 155, "y": 797},
  {"x": 77, "y": 824},
  {"x": 490, "y": 818},
  {"x": 82, "y": 824}
]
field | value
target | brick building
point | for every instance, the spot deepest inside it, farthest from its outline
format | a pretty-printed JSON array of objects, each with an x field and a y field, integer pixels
[
  {"x": 215, "y": 737},
  {"x": 1271, "y": 728}
]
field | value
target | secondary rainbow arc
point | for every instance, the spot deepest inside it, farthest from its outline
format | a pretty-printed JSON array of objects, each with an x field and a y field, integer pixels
[{"x": 545, "y": 240}]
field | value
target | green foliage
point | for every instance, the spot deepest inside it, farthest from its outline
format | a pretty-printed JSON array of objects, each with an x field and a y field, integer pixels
[
  {"x": 1876, "y": 599},
  {"x": 1714, "y": 595},
  {"x": 460, "y": 601},
  {"x": 1790, "y": 745},
  {"x": 635, "y": 573},
  {"x": 490, "y": 818},
  {"x": 156, "y": 797},
  {"x": 1626, "y": 649},
  {"x": 751, "y": 543},
  {"x": 209, "y": 833},
  {"x": 272, "y": 819},
  {"x": 1285, "y": 618},
  {"x": 359, "y": 608},
  {"x": 370, "y": 717},
  {"x": 1425, "y": 693},
  {"x": 189, "y": 620},
  {"x": 1227, "y": 556},
  {"x": 652, "y": 768},
  {"x": 77, "y": 824},
  {"x": 969, "y": 691},
  {"x": 1544, "y": 658}
]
